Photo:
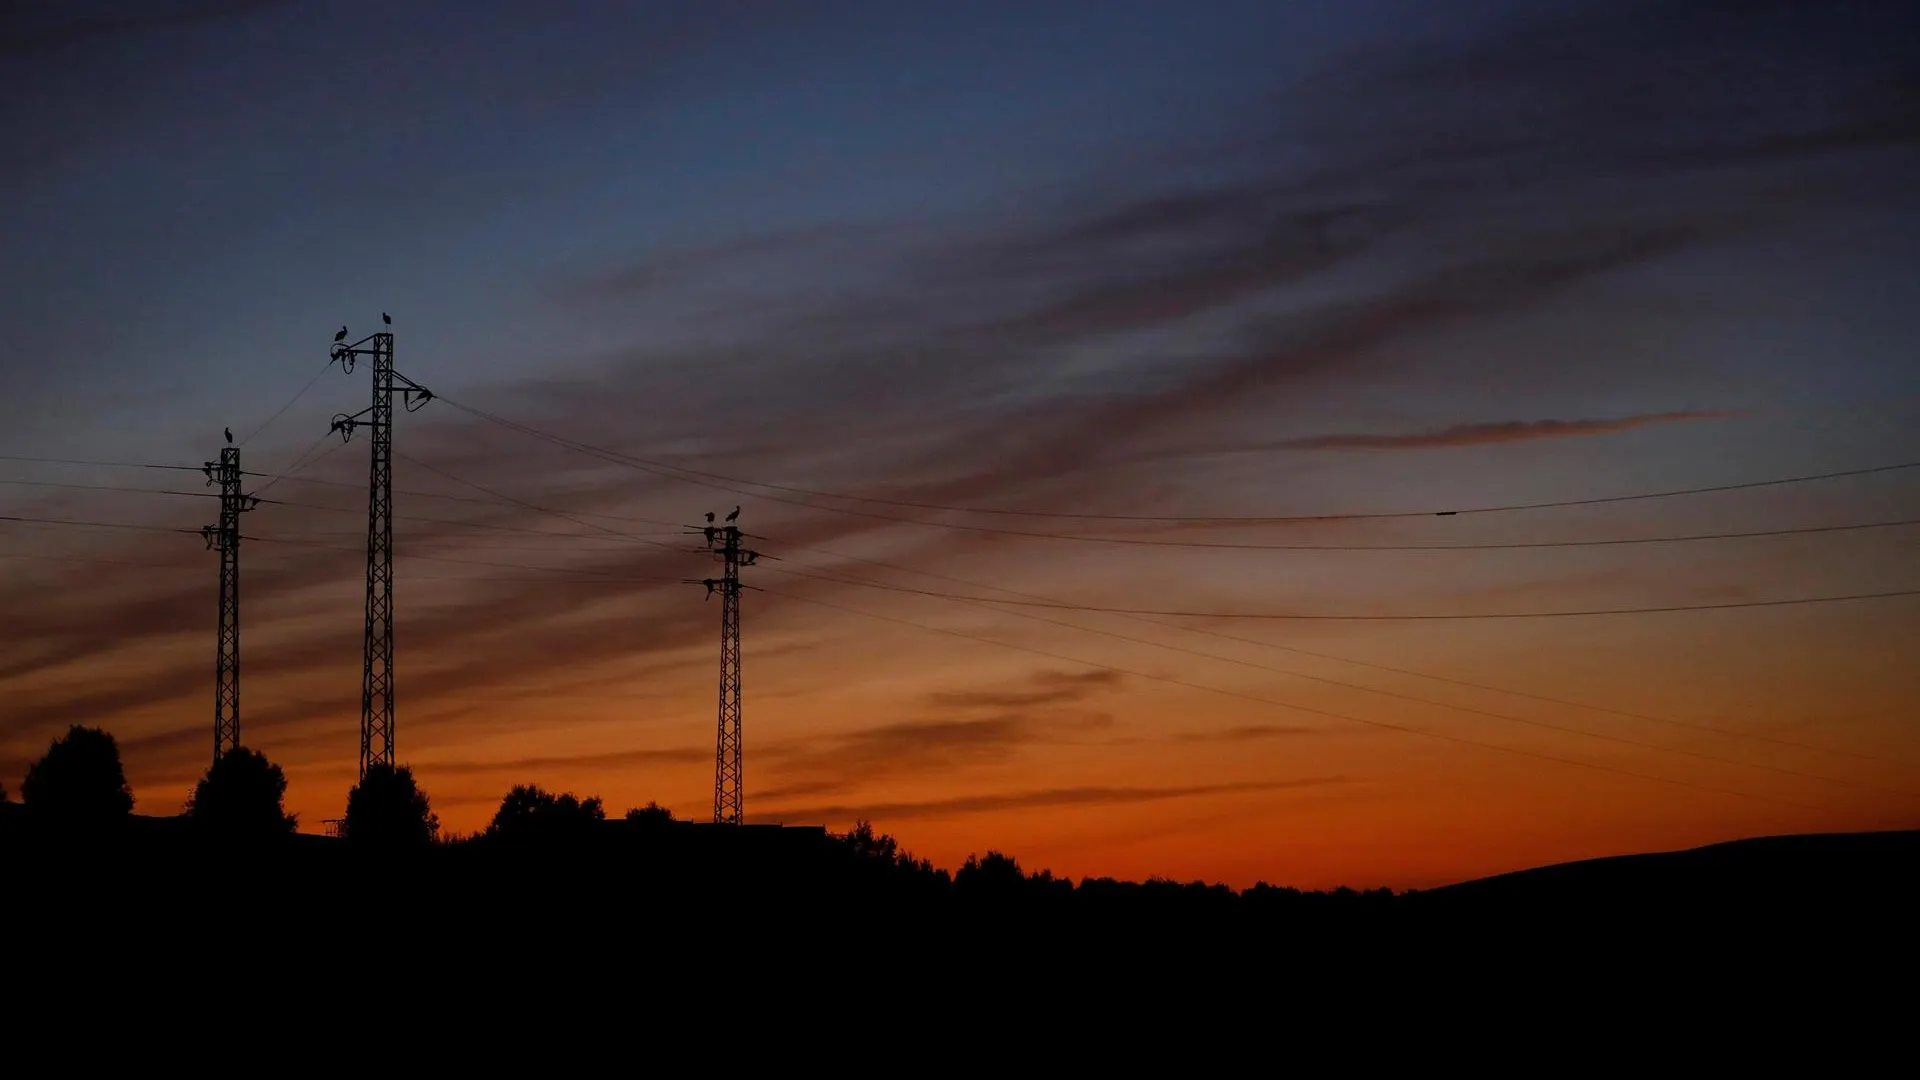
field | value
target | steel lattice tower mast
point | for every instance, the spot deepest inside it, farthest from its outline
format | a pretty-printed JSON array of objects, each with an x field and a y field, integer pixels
[
  {"x": 376, "y": 681},
  {"x": 225, "y": 538},
  {"x": 724, "y": 541}
]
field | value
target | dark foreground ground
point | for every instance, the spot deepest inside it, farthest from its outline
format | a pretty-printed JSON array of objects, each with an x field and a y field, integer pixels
[{"x": 632, "y": 903}]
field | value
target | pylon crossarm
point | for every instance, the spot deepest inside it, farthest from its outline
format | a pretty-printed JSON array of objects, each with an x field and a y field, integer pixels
[{"x": 345, "y": 423}]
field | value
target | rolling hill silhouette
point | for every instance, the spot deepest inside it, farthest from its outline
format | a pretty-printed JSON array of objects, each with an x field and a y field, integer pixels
[
  {"x": 159, "y": 863},
  {"x": 1762, "y": 870},
  {"x": 662, "y": 900}
]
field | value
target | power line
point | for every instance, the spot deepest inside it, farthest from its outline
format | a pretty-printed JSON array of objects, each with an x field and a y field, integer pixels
[
  {"x": 1063, "y": 606},
  {"x": 79, "y": 523},
  {"x": 551, "y": 549},
  {"x": 350, "y": 484},
  {"x": 184, "y": 568},
  {"x": 723, "y": 482},
  {"x": 602, "y": 577},
  {"x": 289, "y": 478},
  {"x": 496, "y": 499},
  {"x": 591, "y": 577},
  {"x": 456, "y": 522},
  {"x": 111, "y": 487},
  {"x": 332, "y": 509},
  {"x": 302, "y": 461},
  {"x": 599, "y": 577},
  {"x": 983, "y": 602},
  {"x": 98, "y": 562},
  {"x": 1291, "y": 518},
  {"x": 281, "y": 411},
  {"x": 1640, "y": 716},
  {"x": 1305, "y": 708},
  {"x": 1232, "y": 545},
  {"x": 1043, "y": 601},
  {"x": 1706, "y": 728},
  {"x": 569, "y": 515},
  {"x": 99, "y": 464},
  {"x": 1198, "y": 630},
  {"x": 522, "y": 503},
  {"x": 595, "y": 575},
  {"x": 491, "y": 545},
  {"x": 95, "y": 524},
  {"x": 1449, "y": 705},
  {"x": 1503, "y": 546},
  {"x": 1095, "y": 539}
]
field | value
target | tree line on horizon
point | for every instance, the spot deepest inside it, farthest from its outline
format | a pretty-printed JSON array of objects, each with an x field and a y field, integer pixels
[{"x": 79, "y": 785}]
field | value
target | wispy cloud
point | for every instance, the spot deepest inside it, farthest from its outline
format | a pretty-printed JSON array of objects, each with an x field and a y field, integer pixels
[
  {"x": 529, "y": 768},
  {"x": 1248, "y": 733},
  {"x": 1039, "y": 709},
  {"x": 1505, "y": 431},
  {"x": 924, "y": 743},
  {"x": 1028, "y": 800},
  {"x": 1047, "y": 688},
  {"x": 1295, "y": 278},
  {"x": 921, "y": 746},
  {"x": 955, "y": 369}
]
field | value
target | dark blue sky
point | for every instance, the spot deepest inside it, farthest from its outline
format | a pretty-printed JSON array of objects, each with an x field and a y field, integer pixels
[
  {"x": 1151, "y": 258},
  {"x": 215, "y": 176},
  {"x": 188, "y": 183}
]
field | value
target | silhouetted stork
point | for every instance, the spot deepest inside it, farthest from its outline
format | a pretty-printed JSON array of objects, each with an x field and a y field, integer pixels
[
  {"x": 229, "y": 436},
  {"x": 342, "y": 335},
  {"x": 386, "y": 318},
  {"x": 709, "y": 517},
  {"x": 735, "y": 516}
]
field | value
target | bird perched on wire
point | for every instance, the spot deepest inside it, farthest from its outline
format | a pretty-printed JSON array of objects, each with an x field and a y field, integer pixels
[
  {"x": 342, "y": 335},
  {"x": 709, "y": 517},
  {"x": 386, "y": 318},
  {"x": 735, "y": 516},
  {"x": 229, "y": 436}
]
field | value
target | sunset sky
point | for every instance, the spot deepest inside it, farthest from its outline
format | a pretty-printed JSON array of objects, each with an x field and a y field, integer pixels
[{"x": 987, "y": 267}]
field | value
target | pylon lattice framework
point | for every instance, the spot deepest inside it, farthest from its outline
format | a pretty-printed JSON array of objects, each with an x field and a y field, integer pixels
[
  {"x": 728, "y": 786},
  {"x": 376, "y": 681},
  {"x": 225, "y": 538}
]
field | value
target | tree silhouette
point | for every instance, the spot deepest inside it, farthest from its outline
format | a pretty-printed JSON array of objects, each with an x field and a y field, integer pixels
[
  {"x": 650, "y": 815},
  {"x": 242, "y": 795},
  {"x": 996, "y": 873},
  {"x": 387, "y": 809},
  {"x": 878, "y": 858},
  {"x": 80, "y": 779},
  {"x": 867, "y": 845},
  {"x": 531, "y": 811}
]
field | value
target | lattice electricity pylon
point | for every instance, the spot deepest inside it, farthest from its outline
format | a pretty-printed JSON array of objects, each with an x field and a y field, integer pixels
[
  {"x": 728, "y": 786},
  {"x": 225, "y": 538},
  {"x": 376, "y": 681}
]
